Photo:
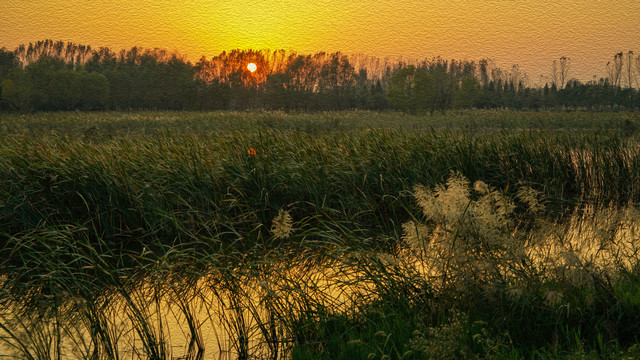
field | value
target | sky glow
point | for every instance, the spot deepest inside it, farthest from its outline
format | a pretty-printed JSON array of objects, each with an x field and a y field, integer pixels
[{"x": 530, "y": 33}]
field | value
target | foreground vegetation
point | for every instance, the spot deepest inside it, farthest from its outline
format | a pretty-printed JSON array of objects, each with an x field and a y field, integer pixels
[{"x": 332, "y": 235}]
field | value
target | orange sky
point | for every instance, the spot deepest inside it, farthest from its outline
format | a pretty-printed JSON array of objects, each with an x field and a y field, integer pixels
[{"x": 530, "y": 33}]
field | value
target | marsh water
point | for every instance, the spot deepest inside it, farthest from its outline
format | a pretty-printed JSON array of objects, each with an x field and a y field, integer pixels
[{"x": 243, "y": 313}]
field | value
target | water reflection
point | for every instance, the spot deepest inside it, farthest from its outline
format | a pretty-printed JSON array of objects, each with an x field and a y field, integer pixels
[{"x": 233, "y": 313}]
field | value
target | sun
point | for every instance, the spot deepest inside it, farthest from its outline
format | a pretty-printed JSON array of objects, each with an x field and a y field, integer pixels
[{"x": 252, "y": 67}]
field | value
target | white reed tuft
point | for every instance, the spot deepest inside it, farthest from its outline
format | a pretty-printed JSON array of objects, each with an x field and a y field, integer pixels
[{"x": 282, "y": 225}]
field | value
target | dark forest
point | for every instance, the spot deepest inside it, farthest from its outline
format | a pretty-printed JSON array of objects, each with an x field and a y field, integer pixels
[{"x": 54, "y": 75}]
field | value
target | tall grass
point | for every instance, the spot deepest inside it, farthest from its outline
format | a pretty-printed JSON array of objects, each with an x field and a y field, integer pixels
[
  {"x": 277, "y": 235},
  {"x": 478, "y": 283},
  {"x": 545, "y": 283},
  {"x": 175, "y": 185}
]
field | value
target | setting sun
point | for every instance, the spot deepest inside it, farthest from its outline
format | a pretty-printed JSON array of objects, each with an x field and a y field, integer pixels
[{"x": 252, "y": 67}]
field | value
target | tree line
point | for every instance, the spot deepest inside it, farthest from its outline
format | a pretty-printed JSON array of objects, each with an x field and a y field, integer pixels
[{"x": 54, "y": 75}]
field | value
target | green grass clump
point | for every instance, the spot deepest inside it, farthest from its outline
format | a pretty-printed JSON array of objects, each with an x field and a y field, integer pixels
[{"x": 148, "y": 178}]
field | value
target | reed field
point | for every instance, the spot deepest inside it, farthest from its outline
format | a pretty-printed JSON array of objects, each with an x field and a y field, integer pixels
[{"x": 342, "y": 235}]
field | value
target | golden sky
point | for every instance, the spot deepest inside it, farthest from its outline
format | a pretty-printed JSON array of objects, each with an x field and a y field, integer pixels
[{"x": 530, "y": 33}]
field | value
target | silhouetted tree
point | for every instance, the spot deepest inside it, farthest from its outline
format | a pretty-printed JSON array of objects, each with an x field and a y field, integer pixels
[
  {"x": 629, "y": 68},
  {"x": 401, "y": 90},
  {"x": 52, "y": 75},
  {"x": 560, "y": 71},
  {"x": 468, "y": 94},
  {"x": 278, "y": 94}
]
